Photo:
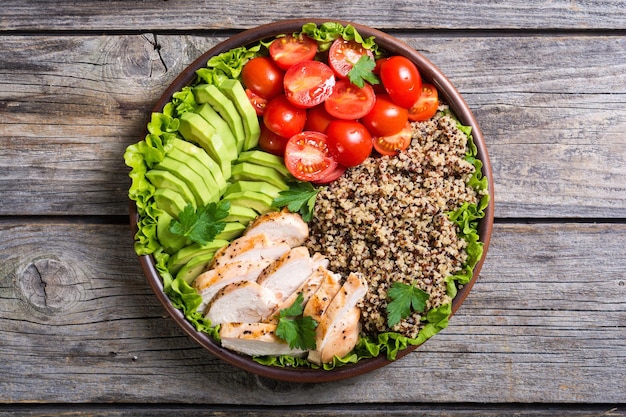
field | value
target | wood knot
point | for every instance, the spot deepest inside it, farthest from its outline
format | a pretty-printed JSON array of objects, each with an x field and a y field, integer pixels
[{"x": 49, "y": 286}]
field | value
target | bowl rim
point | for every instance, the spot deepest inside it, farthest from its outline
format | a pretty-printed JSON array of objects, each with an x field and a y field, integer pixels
[{"x": 451, "y": 96}]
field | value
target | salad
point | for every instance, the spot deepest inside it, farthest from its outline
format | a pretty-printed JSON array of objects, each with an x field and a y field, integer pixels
[{"x": 294, "y": 125}]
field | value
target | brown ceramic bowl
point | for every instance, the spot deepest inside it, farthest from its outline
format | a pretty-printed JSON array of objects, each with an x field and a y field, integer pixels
[{"x": 447, "y": 92}]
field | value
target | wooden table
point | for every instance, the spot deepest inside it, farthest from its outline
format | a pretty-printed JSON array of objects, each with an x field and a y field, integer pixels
[{"x": 543, "y": 331}]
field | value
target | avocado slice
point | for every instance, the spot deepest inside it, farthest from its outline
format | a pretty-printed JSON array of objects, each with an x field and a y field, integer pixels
[
  {"x": 222, "y": 129},
  {"x": 180, "y": 258},
  {"x": 235, "y": 92},
  {"x": 169, "y": 201},
  {"x": 195, "y": 129},
  {"x": 231, "y": 231},
  {"x": 194, "y": 267},
  {"x": 258, "y": 186},
  {"x": 247, "y": 171},
  {"x": 197, "y": 167},
  {"x": 259, "y": 202},
  {"x": 265, "y": 159},
  {"x": 208, "y": 93},
  {"x": 165, "y": 179},
  {"x": 240, "y": 214},
  {"x": 171, "y": 242},
  {"x": 190, "y": 177},
  {"x": 201, "y": 155}
]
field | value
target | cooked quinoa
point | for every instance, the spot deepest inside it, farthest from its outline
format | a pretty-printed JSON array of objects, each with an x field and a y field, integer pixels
[{"x": 387, "y": 219}]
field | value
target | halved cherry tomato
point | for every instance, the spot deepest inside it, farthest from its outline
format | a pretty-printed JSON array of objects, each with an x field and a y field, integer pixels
[
  {"x": 289, "y": 50},
  {"x": 332, "y": 176},
  {"x": 259, "y": 103},
  {"x": 308, "y": 83},
  {"x": 271, "y": 142},
  {"x": 317, "y": 119},
  {"x": 349, "y": 142},
  {"x": 261, "y": 76},
  {"x": 343, "y": 54},
  {"x": 307, "y": 156},
  {"x": 391, "y": 145},
  {"x": 386, "y": 117},
  {"x": 283, "y": 118},
  {"x": 426, "y": 105},
  {"x": 350, "y": 102},
  {"x": 402, "y": 80}
]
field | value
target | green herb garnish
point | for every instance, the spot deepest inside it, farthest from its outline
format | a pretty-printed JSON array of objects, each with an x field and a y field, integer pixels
[
  {"x": 298, "y": 331},
  {"x": 405, "y": 299},
  {"x": 363, "y": 70},
  {"x": 299, "y": 198},
  {"x": 203, "y": 224}
]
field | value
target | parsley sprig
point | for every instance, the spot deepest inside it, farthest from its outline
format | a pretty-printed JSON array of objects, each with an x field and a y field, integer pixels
[
  {"x": 299, "y": 198},
  {"x": 201, "y": 225},
  {"x": 297, "y": 330},
  {"x": 405, "y": 299},
  {"x": 362, "y": 71}
]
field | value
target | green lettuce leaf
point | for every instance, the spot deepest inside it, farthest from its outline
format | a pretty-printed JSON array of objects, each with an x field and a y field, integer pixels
[
  {"x": 227, "y": 64},
  {"x": 327, "y": 32}
]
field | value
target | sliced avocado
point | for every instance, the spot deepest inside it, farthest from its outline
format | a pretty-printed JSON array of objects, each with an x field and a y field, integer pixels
[
  {"x": 266, "y": 159},
  {"x": 235, "y": 92},
  {"x": 258, "y": 186},
  {"x": 197, "y": 167},
  {"x": 195, "y": 129},
  {"x": 201, "y": 155},
  {"x": 208, "y": 93},
  {"x": 194, "y": 267},
  {"x": 165, "y": 179},
  {"x": 240, "y": 214},
  {"x": 260, "y": 203},
  {"x": 171, "y": 242},
  {"x": 231, "y": 231},
  {"x": 169, "y": 201},
  {"x": 221, "y": 128},
  {"x": 184, "y": 255},
  {"x": 190, "y": 177},
  {"x": 246, "y": 171}
]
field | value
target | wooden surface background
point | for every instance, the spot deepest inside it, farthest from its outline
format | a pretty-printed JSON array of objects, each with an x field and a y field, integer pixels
[{"x": 542, "y": 332}]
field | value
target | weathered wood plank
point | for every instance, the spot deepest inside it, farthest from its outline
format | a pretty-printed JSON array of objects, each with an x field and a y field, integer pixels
[
  {"x": 430, "y": 14},
  {"x": 555, "y": 125},
  {"x": 545, "y": 323}
]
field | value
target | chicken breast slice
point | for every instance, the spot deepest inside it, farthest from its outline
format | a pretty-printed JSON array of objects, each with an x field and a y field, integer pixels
[
  {"x": 288, "y": 272},
  {"x": 351, "y": 292},
  {"x": 210, "y": 282},
  {"x": 320, "y": 301},
  {"x": 253, "y": 248},
  {"x": 340, "y": 339},
  {"x": 281, "y": 226},
  {"x": 255, "y": 339},
  {"x": 241, "y": 302}
]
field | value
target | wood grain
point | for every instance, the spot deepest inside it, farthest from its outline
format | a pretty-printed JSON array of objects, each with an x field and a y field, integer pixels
[
  {"x": 551, "y": 109},
  {"x": 544, "y": 323}
]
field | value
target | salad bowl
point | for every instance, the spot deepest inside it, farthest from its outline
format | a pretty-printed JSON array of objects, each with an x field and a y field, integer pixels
[{"x": 447, "y": 93}]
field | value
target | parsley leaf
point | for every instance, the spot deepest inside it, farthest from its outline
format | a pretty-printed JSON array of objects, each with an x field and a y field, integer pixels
[
  {"x": 203, "y": 224},
  {"x": 297, "y": 330},
  {"x": 363, "y": 70},
  {"x": 405, "y": 299},
  {"x": 299, "y": 198}
]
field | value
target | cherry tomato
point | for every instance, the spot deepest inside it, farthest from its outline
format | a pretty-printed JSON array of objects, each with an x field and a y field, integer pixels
[
  {"x": 283, "y": 118},
  {"x": 386, "y": 117},
  {"x": 350, "y": 102},
  {"x": 392, "y": 144},
  {"x": 349, "y": 142},
  {"x": 332, "y": 176},
  {"x": 317, "y": 119},
  {"x": 426, "y": 105},
  {"x": 307, "y": 156},
  {"x": 271, "y": 142},
  {"x": 261, "y": 76},
  {"x": 289, "y": 50},
  {"x": 343, "y": 54},
  {"x": 259, "y": 103},
  {"x": 402, "y": 80},
  {"x": 308, "y": 83}
]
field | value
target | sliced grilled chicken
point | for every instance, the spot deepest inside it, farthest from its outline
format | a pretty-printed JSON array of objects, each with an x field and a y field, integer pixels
[
  {"x": 320, "y": 301},
  {"x": 281, "y": 226},
  {"x": 340, "y": 339},
  {"x": 288, "y": 272},
  {"x": 210, "y": 282},
  {"x": 255, "y": 339},
  {"x": 351, "y": 292},
  {"x": 254, "y": 248},
  {"x": 241, "y": 302}
]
